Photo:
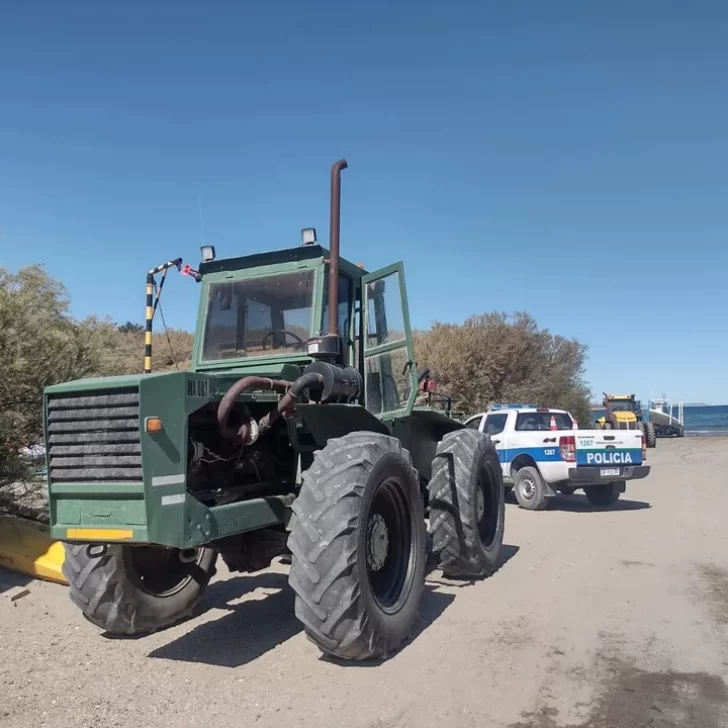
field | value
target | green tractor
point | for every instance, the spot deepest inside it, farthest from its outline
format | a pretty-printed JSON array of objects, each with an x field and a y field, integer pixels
[{"x": 303, "y": 430}]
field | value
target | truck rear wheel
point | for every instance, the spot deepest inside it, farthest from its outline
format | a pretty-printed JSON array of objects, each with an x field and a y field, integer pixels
[
  {"x": 602, "y": 495},
  {"x": 467, "y": 504},
  {"x": 129, "y": 590},
  {"x": 358, "y": 547},
  {"x": 530, "y": 489}
]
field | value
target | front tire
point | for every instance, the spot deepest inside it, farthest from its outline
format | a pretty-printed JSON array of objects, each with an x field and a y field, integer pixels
[
  {"x": 467, "y": 505},
  {"x": 129, "y": 590},
  {"x": 358, "y": 547},
  {"x": 604, "y": 495},
  {"x": 530, "y": 489}
]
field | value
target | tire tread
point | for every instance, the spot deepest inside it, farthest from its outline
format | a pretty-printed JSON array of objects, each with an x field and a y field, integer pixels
[
  {"x": 323, "y": 543},
  {"x": 453, "y": 517}
]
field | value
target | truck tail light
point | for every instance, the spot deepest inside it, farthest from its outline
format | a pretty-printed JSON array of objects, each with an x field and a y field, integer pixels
[
  {"x": 567, "y": 448},
  {"x": 644, "y": 447}
]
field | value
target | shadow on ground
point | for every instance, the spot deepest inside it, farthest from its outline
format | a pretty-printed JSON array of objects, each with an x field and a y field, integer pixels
[
  {"x": 11, "y": 579},
  {"x": 255, "y": 626},
  {"x": 578, "y": 503},
  {"x": 248, "y": 630}
]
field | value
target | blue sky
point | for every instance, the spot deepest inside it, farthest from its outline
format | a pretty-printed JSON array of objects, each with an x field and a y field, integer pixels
[{"x": 564, "y": 158}]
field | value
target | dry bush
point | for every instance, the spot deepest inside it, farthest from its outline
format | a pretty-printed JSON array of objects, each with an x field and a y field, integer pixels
[
  {"x": 497, "y": 358},
  {"x": 121, "y": 348}
]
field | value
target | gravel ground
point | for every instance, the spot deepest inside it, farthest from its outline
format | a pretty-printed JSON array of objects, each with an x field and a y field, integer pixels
[{"x": 613, "y": 619}]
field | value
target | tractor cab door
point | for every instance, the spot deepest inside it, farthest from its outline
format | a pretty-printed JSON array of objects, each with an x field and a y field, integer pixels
[{"x": 390, "y": 380}]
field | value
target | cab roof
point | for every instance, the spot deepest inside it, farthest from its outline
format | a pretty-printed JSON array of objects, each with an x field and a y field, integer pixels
[{"x": 274, "y": 257}]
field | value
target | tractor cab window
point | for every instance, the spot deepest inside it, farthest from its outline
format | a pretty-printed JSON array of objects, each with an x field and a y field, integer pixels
[
  {"x": 387, "y": 374},
  {"x": 620, "y": 406},
  {"x": 265, "y": 316},
  {"x": 345, "y": 307},
  {"x": 385, "y": 319}
]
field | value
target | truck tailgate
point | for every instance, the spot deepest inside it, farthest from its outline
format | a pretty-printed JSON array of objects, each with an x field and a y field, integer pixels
[{"x": 608, "y": 448}]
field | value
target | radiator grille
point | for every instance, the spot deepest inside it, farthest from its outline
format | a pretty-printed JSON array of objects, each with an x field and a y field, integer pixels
[
  {"x": 622, "y": 425},
  {"x": 94, "y": 438}
]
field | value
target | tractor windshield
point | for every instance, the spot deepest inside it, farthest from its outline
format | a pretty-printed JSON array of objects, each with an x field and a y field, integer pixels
[
  {"x": 621, "y": 405},
  {"x": 269, "y": 315}
]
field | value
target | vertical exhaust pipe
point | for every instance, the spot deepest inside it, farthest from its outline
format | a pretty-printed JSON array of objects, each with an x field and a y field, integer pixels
[{"x": 334, "y": 246}]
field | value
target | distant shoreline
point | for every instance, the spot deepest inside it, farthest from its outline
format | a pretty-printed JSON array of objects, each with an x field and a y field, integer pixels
[{"x": 596, "y": 407}]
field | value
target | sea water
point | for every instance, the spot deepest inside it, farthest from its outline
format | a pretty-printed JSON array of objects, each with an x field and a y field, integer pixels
[{"x": 707, "y": 420}]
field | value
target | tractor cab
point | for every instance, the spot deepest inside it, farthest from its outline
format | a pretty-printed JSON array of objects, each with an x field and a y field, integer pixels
[
  {"x": 622, "y": 411},
  {"x": 269, "y": 314}
]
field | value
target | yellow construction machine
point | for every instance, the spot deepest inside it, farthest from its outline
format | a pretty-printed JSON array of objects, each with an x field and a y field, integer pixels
[{"x": 624, "y": 412}]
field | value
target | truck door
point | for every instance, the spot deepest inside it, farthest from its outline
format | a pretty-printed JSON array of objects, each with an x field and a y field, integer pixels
[
  {"x": 494, "y": 425},
  {"x": 390, "y": 380}
]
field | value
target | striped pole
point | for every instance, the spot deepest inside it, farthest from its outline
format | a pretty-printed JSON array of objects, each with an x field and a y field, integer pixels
[
  {"x": 151, "y": 307},
  {"x": 148, "y": 324}
]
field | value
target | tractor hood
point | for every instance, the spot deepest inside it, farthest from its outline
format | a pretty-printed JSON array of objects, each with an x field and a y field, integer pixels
[
  {"x": 624, "y": 416},
  {"x": 91, "y": 383}
]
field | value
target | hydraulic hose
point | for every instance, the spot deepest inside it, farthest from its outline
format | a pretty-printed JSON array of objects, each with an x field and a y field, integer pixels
[
  {"x": 311, "y": 380},
  {"x": 228, "y": 401}
]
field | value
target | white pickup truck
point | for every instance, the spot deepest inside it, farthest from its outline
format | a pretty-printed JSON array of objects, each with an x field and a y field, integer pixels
[{"x": 542, "y": 452}]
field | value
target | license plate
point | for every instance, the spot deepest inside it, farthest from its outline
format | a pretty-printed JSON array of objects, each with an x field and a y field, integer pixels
[{"x": 607, "y": 472}]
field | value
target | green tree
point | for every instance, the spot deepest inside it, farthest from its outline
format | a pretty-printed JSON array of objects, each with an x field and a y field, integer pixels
[
  {"x": 40, "y": 344},
  {"x": 499, "y": 358},
  {"x": 130, "y": 328}
]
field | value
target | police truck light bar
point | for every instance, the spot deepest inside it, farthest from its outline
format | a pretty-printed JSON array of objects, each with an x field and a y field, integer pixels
[{"x": 511, "y": 406}]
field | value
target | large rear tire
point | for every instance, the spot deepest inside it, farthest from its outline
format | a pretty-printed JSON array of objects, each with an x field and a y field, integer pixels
[
  {"x": 358, "y": 547},
  {"x": 650, "y": 436},
  {"x": 467, "y": 505},
  {"x": 128, "y": 590}
]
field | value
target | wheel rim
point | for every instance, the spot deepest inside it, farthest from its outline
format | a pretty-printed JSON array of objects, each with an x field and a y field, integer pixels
[
  {"x": 486, "y": 506},
  {"x": 389, "y": 545},
  {"x": 162, "y": 571},
  {"x": 527, "y": 489}
]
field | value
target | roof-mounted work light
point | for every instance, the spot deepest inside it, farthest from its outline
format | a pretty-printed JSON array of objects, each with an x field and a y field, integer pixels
[
  {"x": 308, "y": 236},
  {"x": 208, "y": 253}
]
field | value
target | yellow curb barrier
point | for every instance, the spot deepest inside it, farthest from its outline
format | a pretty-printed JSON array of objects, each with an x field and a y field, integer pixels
[{"x": 26, "y": 547}]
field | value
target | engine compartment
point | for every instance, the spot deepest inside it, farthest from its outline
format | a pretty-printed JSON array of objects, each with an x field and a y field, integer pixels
[{"x": 223, "y": 470}]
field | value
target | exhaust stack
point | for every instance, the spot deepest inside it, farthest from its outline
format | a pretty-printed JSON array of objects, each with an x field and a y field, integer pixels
[
  {"x": 327, "y": 346},
  {"x": 334, "y": 245}
]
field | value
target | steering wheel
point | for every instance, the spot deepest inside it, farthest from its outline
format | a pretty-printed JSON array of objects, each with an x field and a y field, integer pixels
[{"x": 298, "y": 344}]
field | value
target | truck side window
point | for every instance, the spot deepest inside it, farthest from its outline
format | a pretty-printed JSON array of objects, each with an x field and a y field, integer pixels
[
  {"x": 474, "y": 424},
  {"x": 494, "y": 424}
]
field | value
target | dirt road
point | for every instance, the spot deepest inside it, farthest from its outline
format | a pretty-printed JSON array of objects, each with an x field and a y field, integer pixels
[{"x": 614, "y": 619}]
